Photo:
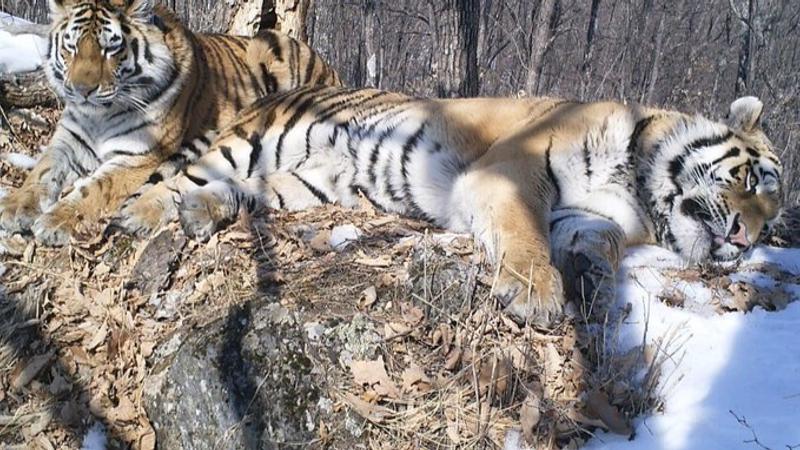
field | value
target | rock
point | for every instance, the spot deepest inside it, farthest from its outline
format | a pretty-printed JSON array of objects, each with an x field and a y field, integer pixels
[
  {"x": 155, "y": 265},
  {"x": 243, "y": 382}
]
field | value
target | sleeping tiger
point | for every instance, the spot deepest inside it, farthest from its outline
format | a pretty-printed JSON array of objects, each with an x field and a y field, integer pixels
[
  {"x": 553, "y": 189},
  {"x": 137, "y": 85}
]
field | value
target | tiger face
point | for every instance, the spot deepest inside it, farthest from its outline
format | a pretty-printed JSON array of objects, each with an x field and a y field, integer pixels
[
  {"x": 106, "y": 52},
  {"x": 727, "y": 186}
]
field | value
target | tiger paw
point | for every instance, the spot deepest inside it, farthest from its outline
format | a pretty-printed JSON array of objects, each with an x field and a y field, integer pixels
[
  {"x": 592, "y": 283},
  {"x": 18, "y": 212},
  {"x": 202, "y": 214},
  {"x": 144, "y": 215},
  {"x": 53, "y": 229},
  {"x": 539, "y": 302}
]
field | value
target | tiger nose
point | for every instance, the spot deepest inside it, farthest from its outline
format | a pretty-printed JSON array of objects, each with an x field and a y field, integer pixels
[
  {"x": 85, "y": 90},
  {"x": 737, "y": 235}
]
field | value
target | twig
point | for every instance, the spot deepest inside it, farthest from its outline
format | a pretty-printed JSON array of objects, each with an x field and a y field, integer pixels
[{"x": 743, "y": 422}]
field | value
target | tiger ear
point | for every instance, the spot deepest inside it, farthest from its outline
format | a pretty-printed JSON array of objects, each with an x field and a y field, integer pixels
[
  {"x": 745, "y": 114},
  {"x": 58, "y": 9},
  {"x": 139, "y": 9}
]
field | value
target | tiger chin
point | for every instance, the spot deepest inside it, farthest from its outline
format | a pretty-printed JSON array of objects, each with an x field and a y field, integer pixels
[
  {"x": 554, "y": 190},
  {"x": 142, "y": 97}
]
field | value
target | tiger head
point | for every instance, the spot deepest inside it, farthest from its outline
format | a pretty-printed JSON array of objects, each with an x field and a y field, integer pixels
[
  {"x": 107, "y": 52},
  {"x": 719, "y": 184}
]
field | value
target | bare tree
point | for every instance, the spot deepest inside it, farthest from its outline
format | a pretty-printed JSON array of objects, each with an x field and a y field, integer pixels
[{"x": 540, "y": 43}]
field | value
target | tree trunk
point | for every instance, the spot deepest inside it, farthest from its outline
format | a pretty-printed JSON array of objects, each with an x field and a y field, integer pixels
[
  {"x": 540, "y": 43},
  {"x": 657, "y": 51},
  {"x": 590, "y": 31},
  {"x": 371, "y": 47},
  {"x": 292, "y": 17},
  {"x": 26, "y": 90},
  {"x": 456, "y": 57},
  {"x": 253, "y": 16},
  {"x": 743, "y": 69}
]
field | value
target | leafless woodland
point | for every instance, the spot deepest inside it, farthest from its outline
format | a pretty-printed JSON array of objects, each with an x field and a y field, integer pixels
[{"x": 683, "y": 54}]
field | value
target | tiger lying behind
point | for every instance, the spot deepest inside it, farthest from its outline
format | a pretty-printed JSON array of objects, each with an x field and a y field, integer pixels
[
  {"x": 137, "y": 85},
  {"x": 553, "y": 189}
]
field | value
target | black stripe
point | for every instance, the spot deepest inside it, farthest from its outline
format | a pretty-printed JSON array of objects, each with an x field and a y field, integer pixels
[
  {"x": 196, "y": 180},
  {"x": 189, "y": 146},
  {"x": 587, "y": 161},
  {"x": 226, "y": 152},
  {"x": 732, "y": 153},
  {"x": 550, "y": 174},
  {"x": 255, "y": 153},
  {"x": 281, "y": 203},
  {"x": 317, "y": 193},
  {"x": 83, "y": 143},
  {"x": 373, "y": 156},
  {"x": 312, "y": 63},
  {"x": 120, "y": 153},
  {"x": 299, "y": 111},
  {"x": 155, "y": 178},
  {"x": 333, "y": 109},
  {"x": 142, "y": 124},
  {"x": 274, "y": 44}
]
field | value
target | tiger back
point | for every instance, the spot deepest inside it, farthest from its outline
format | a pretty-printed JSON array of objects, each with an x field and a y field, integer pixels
[{"x": 139, "y": 89}]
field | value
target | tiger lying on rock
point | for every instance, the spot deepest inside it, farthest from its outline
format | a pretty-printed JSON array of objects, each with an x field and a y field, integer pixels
[
  {"x": 142, "y": 95},
  {"x": 553, "y": 189}
]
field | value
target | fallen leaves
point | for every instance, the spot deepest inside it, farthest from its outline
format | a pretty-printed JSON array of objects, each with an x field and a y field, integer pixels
[{"x": 372, "y": 375}]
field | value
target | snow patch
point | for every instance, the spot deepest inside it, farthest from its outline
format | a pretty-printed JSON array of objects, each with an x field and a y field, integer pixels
[
  {"x": 19, "y": 160},
  {"x": 736, "y": 363},
  {"x": 95, "y": 438},
  {"x": 343, "y": 235},
  {"x": 22, "y": 52}
]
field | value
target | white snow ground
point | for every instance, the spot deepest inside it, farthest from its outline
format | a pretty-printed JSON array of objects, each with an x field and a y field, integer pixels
[
  {"x": 734, "y": 363},
  {"x": 20, "y": 53}
]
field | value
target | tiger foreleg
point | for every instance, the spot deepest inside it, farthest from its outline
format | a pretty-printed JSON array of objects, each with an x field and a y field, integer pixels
[
  {"x": 20, "y": 208},
  {"x": 92, "y": 197},
  {"x": 587, "y": 249},
  {"x": 509, "y": 217}
]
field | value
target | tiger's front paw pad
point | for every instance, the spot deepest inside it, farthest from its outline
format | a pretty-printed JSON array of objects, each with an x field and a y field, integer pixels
[
  {"x": 52, "y": 230},
  {"x": 201, "y": 216},
  {"x": 539, "y": 302}
]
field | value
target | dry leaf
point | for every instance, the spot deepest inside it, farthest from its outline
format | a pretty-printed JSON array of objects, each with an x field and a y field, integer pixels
[
  {"x": 125, "y": 411},
  {"x": 599, "y": 406},
  {"x": 99, "y": 337},
  {"x": 494, "y": 373},
  {"x": 380, "y": 261},
  {"x": 321, "y": 242},
  {"x": 374, "y": 413},
  {"x": 414, "y": 378},
  {"x": 368, "y": 297},
  {"x": 530, "y": 413},
  {"x": 373, "y": 375},
  {"x": 31, "y": 369}
]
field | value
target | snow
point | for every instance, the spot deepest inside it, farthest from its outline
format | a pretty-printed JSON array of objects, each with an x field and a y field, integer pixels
[
  {"x": 19, "y": 160},
  {"x": 343, "y": 235},
  {"x": 95, "y": 438},
  {"x": 726, "y": 368},
  {"x": 20, "y": 53}
]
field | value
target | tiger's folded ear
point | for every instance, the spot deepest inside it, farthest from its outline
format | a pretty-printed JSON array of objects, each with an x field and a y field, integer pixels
[{"x": 745, "y": 114}]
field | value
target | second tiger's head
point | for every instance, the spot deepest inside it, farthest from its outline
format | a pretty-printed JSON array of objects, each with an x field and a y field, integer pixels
[{"x": 107, "y": 52}]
